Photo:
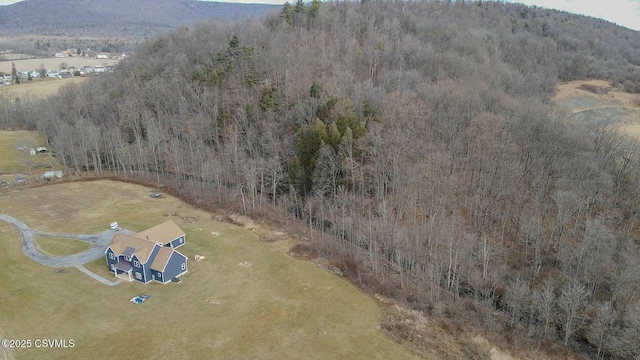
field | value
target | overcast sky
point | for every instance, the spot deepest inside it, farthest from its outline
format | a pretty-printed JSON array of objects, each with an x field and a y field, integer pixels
[{"x": 621, "y": 12}]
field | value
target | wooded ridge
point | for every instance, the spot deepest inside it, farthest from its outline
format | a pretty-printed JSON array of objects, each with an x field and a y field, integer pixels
[
  {"x": 415, "y": 138},
  {"x": 116, "y": 18}
]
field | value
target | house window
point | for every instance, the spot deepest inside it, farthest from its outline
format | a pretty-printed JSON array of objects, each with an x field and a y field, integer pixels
[
  {"x": 111, "y": 256},
  {"x": 136, "y": 263},
  {"x": 125, "y": 257},
  {"x": 159, "y": 276},
  {"x": 184, "y": 266},
  {"x": 138, "y": 276}
]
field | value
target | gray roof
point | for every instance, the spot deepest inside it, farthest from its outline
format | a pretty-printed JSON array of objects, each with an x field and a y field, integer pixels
[
  {"x": 124, "y": 266},
  {"x": 128, "y": 251}
]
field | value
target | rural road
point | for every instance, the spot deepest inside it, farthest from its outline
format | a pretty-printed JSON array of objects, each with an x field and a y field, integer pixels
[{"x": 98, "y": 244}]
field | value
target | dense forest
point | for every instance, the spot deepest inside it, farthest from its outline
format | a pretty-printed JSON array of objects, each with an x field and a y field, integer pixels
[{"x": 415, "y": 139}]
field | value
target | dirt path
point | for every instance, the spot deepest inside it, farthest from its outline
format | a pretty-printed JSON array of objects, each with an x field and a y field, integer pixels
[{"x": 98, "y": 242}]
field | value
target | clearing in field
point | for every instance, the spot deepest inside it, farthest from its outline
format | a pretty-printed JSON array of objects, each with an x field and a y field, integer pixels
[{"x": 246, "y": 300}]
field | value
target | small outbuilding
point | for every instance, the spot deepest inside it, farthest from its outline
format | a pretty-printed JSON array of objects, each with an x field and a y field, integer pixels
[{"x": 48, "y": 175}]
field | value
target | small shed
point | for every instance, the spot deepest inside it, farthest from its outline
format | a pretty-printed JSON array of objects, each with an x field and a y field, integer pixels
[{"x": 32, "y": 151}]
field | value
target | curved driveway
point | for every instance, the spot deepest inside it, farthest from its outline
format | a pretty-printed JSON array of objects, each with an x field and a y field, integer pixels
[{"x": 99, "y": 243}]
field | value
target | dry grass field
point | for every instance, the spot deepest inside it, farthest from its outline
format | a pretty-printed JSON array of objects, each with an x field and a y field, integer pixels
[
  {"x": 50, "y": 86},
  {"x": 597, "y": 101},
  {"x": 52, "y": 63},
  {"x": 39, "y": 87},
  {"x": 15, "y": 158},
  {"x": 246, "y": 300}
]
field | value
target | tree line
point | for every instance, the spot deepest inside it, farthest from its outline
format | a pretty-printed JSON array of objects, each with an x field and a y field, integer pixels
[{"x": 414, "y": 138}]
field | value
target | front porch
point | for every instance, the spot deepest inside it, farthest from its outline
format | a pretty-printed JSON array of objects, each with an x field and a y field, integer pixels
[{"x": 123, "y": 270}]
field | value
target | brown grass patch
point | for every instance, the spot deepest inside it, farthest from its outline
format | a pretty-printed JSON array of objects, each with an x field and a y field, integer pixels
[
  {"x": 594, "y": 89},
  {"x": 598, "y": 89}
]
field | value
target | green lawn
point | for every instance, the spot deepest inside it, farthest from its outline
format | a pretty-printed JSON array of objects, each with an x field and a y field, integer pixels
[
  {"x": 58, "y": 246},
  {"x": 246, "y": 300}
]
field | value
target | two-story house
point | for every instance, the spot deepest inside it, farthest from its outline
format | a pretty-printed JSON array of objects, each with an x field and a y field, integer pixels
[{"x": 148, "y": 255}]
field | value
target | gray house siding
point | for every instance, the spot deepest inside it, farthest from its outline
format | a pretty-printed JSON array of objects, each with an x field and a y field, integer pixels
[
  {"x": 138, "y": 272},
  {"x": 177, "y": 242},
  {"x": 147, "y": 267},
  {"x": 112, "y": 259},
  {"x": 174, "y": 266},
  {"x": 157, "y": 276}
]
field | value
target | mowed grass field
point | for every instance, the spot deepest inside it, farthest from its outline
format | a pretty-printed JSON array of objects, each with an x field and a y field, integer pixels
[
  {"x": 58, "y": 246},
  {"x": 246, "y": 300}
]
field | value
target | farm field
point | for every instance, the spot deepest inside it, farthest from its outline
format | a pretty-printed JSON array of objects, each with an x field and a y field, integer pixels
[
  {"x": 52, "y": 63},
  {"x": 246, "y": 300},
  {"x": 40, "y": 88}
]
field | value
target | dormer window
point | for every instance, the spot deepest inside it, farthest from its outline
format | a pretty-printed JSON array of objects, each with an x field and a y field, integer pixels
[{"x": 136, "y": 263}]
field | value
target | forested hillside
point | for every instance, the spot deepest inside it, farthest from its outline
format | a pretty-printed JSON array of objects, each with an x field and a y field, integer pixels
[
  {"x": 116, "y": 18},
  {"x": 415, "y": 138},
  {"x": 44, "y": 27}
]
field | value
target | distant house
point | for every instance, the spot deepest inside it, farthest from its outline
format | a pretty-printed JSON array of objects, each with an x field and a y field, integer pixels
[
  {"x": 148, "y": 255},
  {"x": 102, "y": 56}
]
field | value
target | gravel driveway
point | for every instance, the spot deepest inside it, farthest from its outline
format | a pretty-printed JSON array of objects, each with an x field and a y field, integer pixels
[{"x": 98, "y": 242}]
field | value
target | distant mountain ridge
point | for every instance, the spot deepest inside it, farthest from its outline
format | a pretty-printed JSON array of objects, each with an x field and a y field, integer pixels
[{"x": 139, "y": 18}]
